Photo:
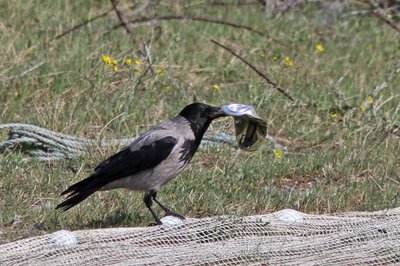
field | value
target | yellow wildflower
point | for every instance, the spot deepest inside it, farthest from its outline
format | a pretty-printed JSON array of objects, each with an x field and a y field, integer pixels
[
  {"x": 288, "y": 61},
  {"x": 334, "y": 116},
  {"x": 370, "y": 100},
  {"x": 215, "y": 87},
  {"x": 362, "y": 109},
  {"x": 137, "y": 62},
  {"x": 128, "y": 61},
  {"x": 275, "y": 58},
  {"x": 278, "y": 153},
  {"x": 114, "y": 61},
  {"x": 106, "y": 59},
  {"x": 319, "y": 48},
  {"x": 115, "y": 68}
]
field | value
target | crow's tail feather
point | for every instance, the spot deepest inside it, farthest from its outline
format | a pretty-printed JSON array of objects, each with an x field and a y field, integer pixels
[
  {"x": 74, "y": 199},
  {"x": 81, "y": 186}
]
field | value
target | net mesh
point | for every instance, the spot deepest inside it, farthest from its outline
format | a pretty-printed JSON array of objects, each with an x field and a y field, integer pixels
[{"x": 286, "y": 237}]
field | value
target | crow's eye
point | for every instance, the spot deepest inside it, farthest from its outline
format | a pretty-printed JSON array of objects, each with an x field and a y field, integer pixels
[{"x": 203, "y": 109}]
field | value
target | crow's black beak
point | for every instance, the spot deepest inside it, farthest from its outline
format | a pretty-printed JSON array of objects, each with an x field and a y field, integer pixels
[{"x": 217, "y": 113}]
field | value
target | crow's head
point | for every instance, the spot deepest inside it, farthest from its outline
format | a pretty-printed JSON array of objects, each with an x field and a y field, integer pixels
[{"x": 201, "y": 114}]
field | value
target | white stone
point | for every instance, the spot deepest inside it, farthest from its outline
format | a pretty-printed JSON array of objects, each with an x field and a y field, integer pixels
[
  {"x": 171, "y": 221},
  {"x": 289, "y": 215},
  {"x": 64, "y": 239}
]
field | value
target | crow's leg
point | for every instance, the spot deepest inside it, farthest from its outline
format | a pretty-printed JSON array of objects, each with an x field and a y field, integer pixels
[
  {"x": 147, "y": 200},
  {"x": 167, "y": 211}
]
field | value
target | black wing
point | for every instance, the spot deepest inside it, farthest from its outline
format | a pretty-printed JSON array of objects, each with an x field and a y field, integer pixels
[
  {"x": 122, "y": 164},
  {"x": 127, "y": 162}
]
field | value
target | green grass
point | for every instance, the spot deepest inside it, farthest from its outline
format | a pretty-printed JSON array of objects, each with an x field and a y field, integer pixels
[{"x": 348, "y": 163}]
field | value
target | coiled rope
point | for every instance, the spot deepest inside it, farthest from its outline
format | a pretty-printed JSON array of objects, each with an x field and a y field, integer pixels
[{"x": 45, "y": 145}]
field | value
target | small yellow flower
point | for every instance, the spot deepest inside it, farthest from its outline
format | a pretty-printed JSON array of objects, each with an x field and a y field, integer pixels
[
  {"x": 137, "y": 62},
  {"x": 115, "y": 68},
  {"x": 215, "y": 87},
  {"x": 114, "y": 61},
  {"x": 319, "y": 48},
  {"x": 362, "y": 109},
  {"x": 128, "y": 61},
  {"x": 370, "y": 100},
  {"x": 288, "y": 62},
  {"x": 106, "y": 59},
  {"x": 334, "y": 116},
  {"x": 278, "y": 153},
  {"x": 275, "y": 58}
]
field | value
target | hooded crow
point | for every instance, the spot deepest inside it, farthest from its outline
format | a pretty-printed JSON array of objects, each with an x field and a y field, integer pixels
[{"x": 151, "y": 160}]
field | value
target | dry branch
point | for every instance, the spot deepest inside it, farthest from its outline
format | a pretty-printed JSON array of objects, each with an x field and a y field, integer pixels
[
  {"x": 269, "y": 81},
  {"x": 114, "y": 7},
  {"x": 387, "y": 21},
  {"x": 121, "y": 18},
  {"x": 80, "y": 25}
]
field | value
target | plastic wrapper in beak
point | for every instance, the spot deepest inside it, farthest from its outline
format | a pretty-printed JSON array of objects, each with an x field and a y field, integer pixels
[{"x": 250, "y": 129}]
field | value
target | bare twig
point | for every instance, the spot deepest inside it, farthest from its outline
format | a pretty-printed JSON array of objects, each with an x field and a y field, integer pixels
[
  {"x": 178, "y": 17},
  {"x": 269, "y": 81},
  {"x": 84, "y": 23},
  {"x": 387, "y": 21},
  {"x": 115, "y": 4},
  {"x": 78, "y": 26}
]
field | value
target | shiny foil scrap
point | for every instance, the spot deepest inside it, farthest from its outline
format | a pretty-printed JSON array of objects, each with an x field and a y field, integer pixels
[{"x": 250, "y": 129}]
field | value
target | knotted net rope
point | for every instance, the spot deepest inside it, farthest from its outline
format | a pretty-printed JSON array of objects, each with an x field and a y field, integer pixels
[{"x": 286, "y": 237}]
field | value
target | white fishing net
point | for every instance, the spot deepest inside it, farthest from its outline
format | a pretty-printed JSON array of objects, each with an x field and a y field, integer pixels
[{"x": 286, "y": 237}]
